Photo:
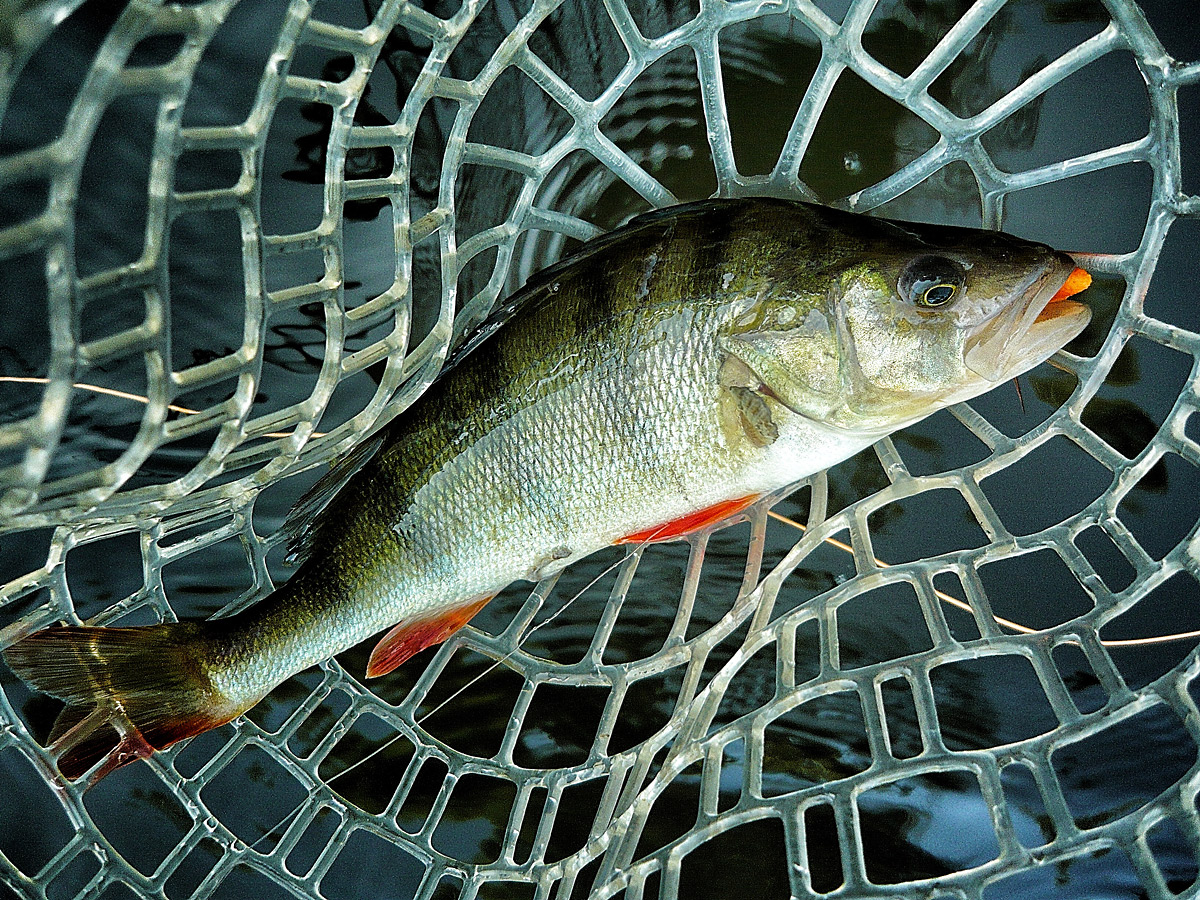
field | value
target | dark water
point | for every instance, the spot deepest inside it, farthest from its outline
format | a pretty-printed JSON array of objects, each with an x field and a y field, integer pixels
[{"x": 920, "y": 827}]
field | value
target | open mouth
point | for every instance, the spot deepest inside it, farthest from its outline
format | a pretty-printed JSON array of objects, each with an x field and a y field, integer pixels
[{"x": 1029, "y": 332}]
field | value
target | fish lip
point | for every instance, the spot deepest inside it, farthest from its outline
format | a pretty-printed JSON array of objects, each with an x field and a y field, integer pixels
[{"x": 1027, "y": 332}]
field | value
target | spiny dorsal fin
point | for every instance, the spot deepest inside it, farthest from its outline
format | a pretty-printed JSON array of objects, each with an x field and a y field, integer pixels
[{"x": 302, "y": 522}]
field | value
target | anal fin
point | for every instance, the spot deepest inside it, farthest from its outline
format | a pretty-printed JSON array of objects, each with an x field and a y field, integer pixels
[
  {"x": 689, "y": 523},
  {"x": 411, "y": 636}
]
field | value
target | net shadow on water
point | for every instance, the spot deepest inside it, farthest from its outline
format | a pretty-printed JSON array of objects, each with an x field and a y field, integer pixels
[{"x": 856, "y": 718}]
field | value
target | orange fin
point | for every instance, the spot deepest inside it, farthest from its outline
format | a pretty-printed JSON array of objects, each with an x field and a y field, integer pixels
[
  {"x": 413, "y": 635},
  {"x": 689, "y": 523},
  {"x": 85, "y": 738}
]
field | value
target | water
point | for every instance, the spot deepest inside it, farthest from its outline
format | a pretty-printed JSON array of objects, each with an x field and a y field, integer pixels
[{"x": 921, "y": 827}]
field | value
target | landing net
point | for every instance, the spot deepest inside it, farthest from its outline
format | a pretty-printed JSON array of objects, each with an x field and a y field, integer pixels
[{"x": 271, "y": 221}]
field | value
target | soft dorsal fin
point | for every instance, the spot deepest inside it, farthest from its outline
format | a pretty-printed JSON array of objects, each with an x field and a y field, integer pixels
[
  {"x": 301, "y": 523},
  {"x": 412, "y": 636}
]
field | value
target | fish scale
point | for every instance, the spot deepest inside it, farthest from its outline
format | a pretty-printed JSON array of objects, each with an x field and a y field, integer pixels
[
  {"x": 570, "y": 468},
  {"x": 661, "y": 378}
]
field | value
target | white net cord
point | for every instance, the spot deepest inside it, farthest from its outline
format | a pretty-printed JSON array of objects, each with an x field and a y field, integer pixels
[{"x": 235, "y": 238}]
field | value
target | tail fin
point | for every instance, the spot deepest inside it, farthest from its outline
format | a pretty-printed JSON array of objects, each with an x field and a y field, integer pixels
[{"x": 129, "y": 691}]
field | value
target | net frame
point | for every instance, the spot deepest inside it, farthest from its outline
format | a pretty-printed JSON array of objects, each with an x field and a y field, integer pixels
[{"x": 258, "y": 449}]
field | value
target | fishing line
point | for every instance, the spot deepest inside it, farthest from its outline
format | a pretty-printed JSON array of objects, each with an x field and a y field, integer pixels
[
  {"x": 125, "y": 395},
  {"x": 951, "y": 600},
  {"x": 474, "y": 680},
  {"x": 941, "y": 595},
  {"x": 637, "y": 548}
]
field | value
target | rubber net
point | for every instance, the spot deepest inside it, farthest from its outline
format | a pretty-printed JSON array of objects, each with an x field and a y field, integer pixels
[{"x": 236, "y": 238}]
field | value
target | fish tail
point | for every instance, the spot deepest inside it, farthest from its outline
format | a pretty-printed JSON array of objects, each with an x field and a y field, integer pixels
[{"x": 129, "y": 691}]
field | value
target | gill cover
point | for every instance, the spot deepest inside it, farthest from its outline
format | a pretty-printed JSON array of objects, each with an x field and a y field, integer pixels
[{"x": 789, "y": 354}]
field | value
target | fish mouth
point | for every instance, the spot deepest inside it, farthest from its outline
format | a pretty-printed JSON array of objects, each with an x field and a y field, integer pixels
[{"x": 1029, "y": 332}]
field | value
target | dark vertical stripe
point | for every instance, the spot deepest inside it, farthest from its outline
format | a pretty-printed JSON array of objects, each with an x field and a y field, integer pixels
[
  {"x": 591, "y": 293},
  {"x": 713, "y": 248}
]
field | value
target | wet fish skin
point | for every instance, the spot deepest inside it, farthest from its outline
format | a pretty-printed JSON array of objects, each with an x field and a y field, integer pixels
[{"x": 700, "y": 354}]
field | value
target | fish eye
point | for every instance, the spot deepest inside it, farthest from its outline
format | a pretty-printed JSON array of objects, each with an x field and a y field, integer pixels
[
  {"x": 938, "y": 295},
  {"x": 931, "y": 281}
]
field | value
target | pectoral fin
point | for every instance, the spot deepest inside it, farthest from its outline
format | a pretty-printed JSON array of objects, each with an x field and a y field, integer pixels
[
  {"x": 754, "y": 416},
  {"x": 797, "y": 367},
  {"x": 412, "y": 636}
]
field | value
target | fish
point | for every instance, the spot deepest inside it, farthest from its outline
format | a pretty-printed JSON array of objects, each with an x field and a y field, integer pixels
[{"x": 658, "y": 381}]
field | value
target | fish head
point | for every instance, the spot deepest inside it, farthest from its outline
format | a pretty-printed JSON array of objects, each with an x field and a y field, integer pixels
[
  {"x": 930, "y": 325},
  {"x": 911, "y": 319}
]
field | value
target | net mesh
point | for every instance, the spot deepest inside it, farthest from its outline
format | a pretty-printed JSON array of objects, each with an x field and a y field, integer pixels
[{"x": 352, "y": 192}]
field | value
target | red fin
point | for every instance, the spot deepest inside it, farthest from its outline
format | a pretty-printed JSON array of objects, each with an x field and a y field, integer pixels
[
  {"x": 689, "y": 523},
  {"x": 107, "y": 735},
  {"x": 413, "y": 635}
]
